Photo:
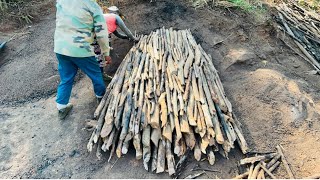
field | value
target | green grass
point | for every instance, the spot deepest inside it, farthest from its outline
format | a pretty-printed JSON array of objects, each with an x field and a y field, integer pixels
[
  {"x": 310, "y": 4},
  {"x": 249, "y": 6},
  {"x": 253, "y": 7}
]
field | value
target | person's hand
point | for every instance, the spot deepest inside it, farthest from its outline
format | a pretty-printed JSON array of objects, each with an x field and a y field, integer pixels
[
  {"x": 135, "y": 40},
  {"x": 108, "y": 59},
  {"x": 102, "y": 63}
]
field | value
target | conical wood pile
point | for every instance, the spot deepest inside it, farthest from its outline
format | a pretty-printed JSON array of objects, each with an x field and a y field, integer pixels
[{"x": 166, "y": 97}]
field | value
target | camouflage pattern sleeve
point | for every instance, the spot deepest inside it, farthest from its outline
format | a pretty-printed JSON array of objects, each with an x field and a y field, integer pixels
[{"x": 100, "y": 28}]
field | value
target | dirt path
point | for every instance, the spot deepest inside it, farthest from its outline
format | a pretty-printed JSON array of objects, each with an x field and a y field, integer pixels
[{"x": 273, "y": 96}]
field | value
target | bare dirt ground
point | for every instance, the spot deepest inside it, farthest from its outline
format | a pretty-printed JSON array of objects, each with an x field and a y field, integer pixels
[{"x": 273, "y": 96}]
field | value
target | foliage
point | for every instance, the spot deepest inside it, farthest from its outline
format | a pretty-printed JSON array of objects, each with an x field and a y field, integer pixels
[
  {"x": 247, "y": 5},
  {"x": 16, "y": 10},
  {"x": 201, "y": 3},
  {"x": 310, "y": 4}
]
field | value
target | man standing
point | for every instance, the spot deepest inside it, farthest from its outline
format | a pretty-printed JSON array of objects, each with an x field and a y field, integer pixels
[{"x": 77, "y": 22}]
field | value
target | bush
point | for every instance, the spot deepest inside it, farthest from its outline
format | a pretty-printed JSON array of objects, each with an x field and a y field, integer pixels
[{"x": 16, "y": 10}]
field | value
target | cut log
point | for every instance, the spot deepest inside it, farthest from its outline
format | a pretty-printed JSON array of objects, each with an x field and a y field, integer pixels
[
  {"x": 146, "y": 137},
  {"x": 163, "y": 107},
  {"x": 257, "y": 158},
  {"x": 211, "y": 156},
  {"x": 168, "y": 92},
  {"x": 155, "y": 136},
  {"x": 137, "y": 145},
  {"x": 167, "y": 133},
  {"x": 155, "y": 118},
  {"x": 242, "y": 176},
  {"x": 170, "y": 159},
  {"x": 285, "y": 162},
  {"x": 161, "y": 157},
  {"x": 154, "y": 158},
  {"x": 197, "y": 152}
]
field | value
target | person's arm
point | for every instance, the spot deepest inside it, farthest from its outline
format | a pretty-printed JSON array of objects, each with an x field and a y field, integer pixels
[
  {"x": 120, "y": 35},
  {"x": 124, "y": 28},
  {"x": 100, "y": 28}
]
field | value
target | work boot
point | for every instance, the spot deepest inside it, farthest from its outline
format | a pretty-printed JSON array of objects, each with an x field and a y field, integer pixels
[
  {"x": 62, "y": 113},
  {"x": 107, "y": 78},
  {"x": 99, "y": 100}
]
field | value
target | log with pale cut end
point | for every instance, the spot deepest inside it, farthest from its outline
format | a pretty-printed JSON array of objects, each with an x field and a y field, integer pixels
[
  {"x": 184, "y": 124},
  {"x": 167, "y": 133},
  {"x": 146, "y": 146},
  {"x": 166, "y": 98},
  {"x": 197, "y": 152},
  {"x": 154, "y": 158},
  {"x": 242, "y": 176},
  {"x": 190, "y": 139},
  {"x": 255, "y": 171},
  {"x": 119, "y": 148},
  {"x": 155, "y": 118},
  {"x": 257, "y": 158},
  {"x": 155, "y": 136},
  {"x": 137, "y": 145},
  {"x": 161, "y": 160},
  {"x": 170, "y": 159},
  {"x": 163, "y": 108},
  {"x": 211, "y": 157}
]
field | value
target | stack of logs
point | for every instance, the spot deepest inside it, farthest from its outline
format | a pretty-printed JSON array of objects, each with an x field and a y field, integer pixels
[
  {"x": 262, "y": 166},
  {"x": 166, "y": 97},
  {"x": 304, "y": 28}
]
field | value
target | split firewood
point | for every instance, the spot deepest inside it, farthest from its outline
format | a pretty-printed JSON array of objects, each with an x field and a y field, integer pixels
[
  {"x": 267, "y": 171},
  {"x": 257, "y": 158},
  {"x": 272, "y": 165},
  {"x": 100, "y": 123},
  {"x": 161, "y": 157},
  {"x": 195, "y": 89},
  {"x": 190, "y": 110},
  {"x": 255, "y": 172},
  {"x": 119, "y": 148},
  {"x": 182, "y": 147},
  {"x": 285, "y": 162},
  {"x": 137, "y": 145},
  {"x": 190, "y": 139},
  {"x": 211, "y": 156},
  {"x": 184, "y": 124},
  {"x": 155, "y": 117},
  {"x": 167, "y": 132},
  {"x": 155, "y": 136},
  {"x": 242, "y": 176},
  {"x": 204, "y": 144},
  {"x": 114, "y": 140},
  {"x": 187, "y": 88},
  {"x": 170, "y": 159},
  {"x": 163, "y": 107},
  {"x": 166, "y": 98},
  {"x": 251, "y": 171},
  {"x": 197, "y": 152},
  {"x": 91, "y": 143},
  {"x": 154, "y": 158},
  {"x": 146, "y": 146}
]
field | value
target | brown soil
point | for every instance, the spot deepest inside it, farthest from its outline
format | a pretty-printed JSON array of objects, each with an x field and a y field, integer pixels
[{"x": 273, "y": 96}]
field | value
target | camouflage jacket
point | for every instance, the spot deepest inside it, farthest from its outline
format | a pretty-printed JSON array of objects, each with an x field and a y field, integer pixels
[{"x": 77, "y": 22}]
